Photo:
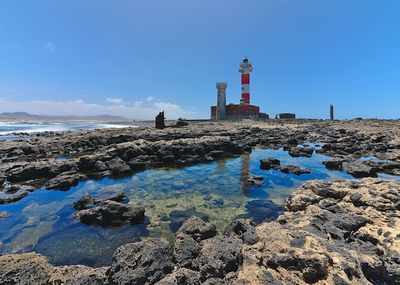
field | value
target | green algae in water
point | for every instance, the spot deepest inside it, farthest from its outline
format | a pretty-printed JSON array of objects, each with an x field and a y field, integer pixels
[{"x": 217, "y": 192}]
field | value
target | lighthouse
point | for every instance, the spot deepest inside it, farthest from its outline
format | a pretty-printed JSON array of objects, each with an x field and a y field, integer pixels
[
  {"x": 245, "y": 68},
  {"x": 232, "y": 111}
]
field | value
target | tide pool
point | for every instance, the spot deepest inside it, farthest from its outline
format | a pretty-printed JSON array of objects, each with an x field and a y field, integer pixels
[{"x": 218, "y": 192}]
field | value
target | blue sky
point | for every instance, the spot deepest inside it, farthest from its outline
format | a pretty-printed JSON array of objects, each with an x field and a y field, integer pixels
[{"x": 134, "y": 58}]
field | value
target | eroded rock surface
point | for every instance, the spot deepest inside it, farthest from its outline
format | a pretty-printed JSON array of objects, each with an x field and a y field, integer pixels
[
  {"x": 341, "y": 232},
  {"x": 144, "y": 262},
  {"x": 331, "y": 233},
  {"x": 111, "y": 213},
  {"x": 32, "y": 160}
]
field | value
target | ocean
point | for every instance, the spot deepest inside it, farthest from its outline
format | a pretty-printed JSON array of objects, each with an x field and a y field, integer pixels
[{"x": 8, "y": 128}]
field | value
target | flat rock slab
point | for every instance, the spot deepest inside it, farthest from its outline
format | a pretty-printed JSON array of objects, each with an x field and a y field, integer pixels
[{"x": 359, "y": 170}]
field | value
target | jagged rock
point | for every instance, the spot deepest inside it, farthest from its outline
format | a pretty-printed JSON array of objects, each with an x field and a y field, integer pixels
[
  {"x": 359, "y": 169},
  {"x": 88, "y": 201},
  {"x": 84, "y": 202},
  {"x": 24, "y": 269},
  {"x": 10, "y": 198},
  {"x": 118, "y": 166},
  {"x": 269, "y": 163},
  {"x": 294, "y": 169},
  {"x": 182, "y": 276},
  {"x": 79, "y": 275},
  {"x": 197, "y": 229},
  {"x": 64, "y": 181},
  {"x": 336, "y": 236},
  {"x": 243, "y": 229},
  {"x": 333, "y": 164},
  {"x": 219, "y": 256},
  {"x": 4, "y": 215},
  {"x": 186, "y": 250},
  {"x": 301, "y": 151},
  {"x": 110, "y": 213},
  {"x": 144, "y": 262}
]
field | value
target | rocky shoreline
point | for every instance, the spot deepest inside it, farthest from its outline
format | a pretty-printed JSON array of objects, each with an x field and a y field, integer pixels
[
  {"x": 58, "y": 161},
  {"x": 340, "y": 232}
]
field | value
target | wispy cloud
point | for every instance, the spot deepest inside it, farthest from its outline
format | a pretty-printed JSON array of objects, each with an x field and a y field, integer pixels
[
  {"x": 114, "y": 100},
  {"x": 51, "y": 47},
  {"x": 135, "y": 110},
  {"x": 150, "y": 98}
]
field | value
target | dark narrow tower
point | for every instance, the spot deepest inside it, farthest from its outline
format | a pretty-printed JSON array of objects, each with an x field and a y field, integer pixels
[{"x": 331, "y": 113}]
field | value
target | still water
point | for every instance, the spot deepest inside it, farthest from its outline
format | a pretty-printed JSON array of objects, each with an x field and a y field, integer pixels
[{"x": 218, "y": 192}]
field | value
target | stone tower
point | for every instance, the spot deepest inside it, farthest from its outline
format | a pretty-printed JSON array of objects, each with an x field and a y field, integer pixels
[{"x": 221, "y": 101}]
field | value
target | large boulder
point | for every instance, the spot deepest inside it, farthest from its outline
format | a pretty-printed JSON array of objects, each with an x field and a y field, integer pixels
[
  {"x": 219, "y": 256},
  {"x": 301, "y": 151},
  {"x": 333, "y": 164},
  {"x": 110, "y": 213},
  {"x": 268, "y": 163},
  {"x": 118, "y": 167},
  {"x": 197, "y": 229},
  {"x": 186, "y": 250},
  {"x": 144, "y": 262}
]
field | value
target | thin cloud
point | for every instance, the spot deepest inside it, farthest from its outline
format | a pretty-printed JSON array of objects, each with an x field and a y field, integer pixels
[
  {"x": 136, "y": 110},
  {"x": 114, "y": 100},
  {"x": 51, "y": 47}
]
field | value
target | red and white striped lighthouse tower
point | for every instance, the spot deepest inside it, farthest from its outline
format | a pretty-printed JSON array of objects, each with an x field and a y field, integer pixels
[{"x": 245, "y": 68}]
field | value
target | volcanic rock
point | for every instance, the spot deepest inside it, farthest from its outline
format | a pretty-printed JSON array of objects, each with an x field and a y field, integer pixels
[
  {"x": 269, "y": 163},
  {"x": 294, "y": 169},
  {"x": 301, "y": 151},
  {"x": 64, "y": 181},
  {"x": 144, "y": 262},
  {"x": 110, "y": 213},
  {"x": 359, "y": 169},
  {"x": 197, "y": 229}
]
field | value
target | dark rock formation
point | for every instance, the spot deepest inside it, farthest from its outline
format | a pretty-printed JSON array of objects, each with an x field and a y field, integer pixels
[
  {"x": 359, "y": 169},
  {"x": 269, "y": 163},
  {"x": 182, "y": 276},
  {"x": 144, "y": 262},
  {"x": 64, "y": 181},
  {"x": 301, "y": 151},
  {"x": 111, "y": 213},
  {"x": 160, "y": 120},
  {"x": 198, "y": 229},
  {"x": 333, "y": 164},
  {"x": 294, "y": 169},
  {"x": 330, "y": 234},
  {"x": 342, "y": 232},
  {"x": 243, "y": 229},
  {"x": 14, "y": 197}
]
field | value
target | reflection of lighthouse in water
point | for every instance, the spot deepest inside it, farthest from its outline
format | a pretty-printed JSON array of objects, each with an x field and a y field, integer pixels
[{"x": 245, "y": 172}]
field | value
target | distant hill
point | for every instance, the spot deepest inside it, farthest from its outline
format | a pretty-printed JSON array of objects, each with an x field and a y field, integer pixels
[{"x": 23, "y": 116}]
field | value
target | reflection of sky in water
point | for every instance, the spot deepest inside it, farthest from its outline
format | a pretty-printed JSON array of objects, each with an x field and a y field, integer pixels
[{"x": 217, "y": 192}]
